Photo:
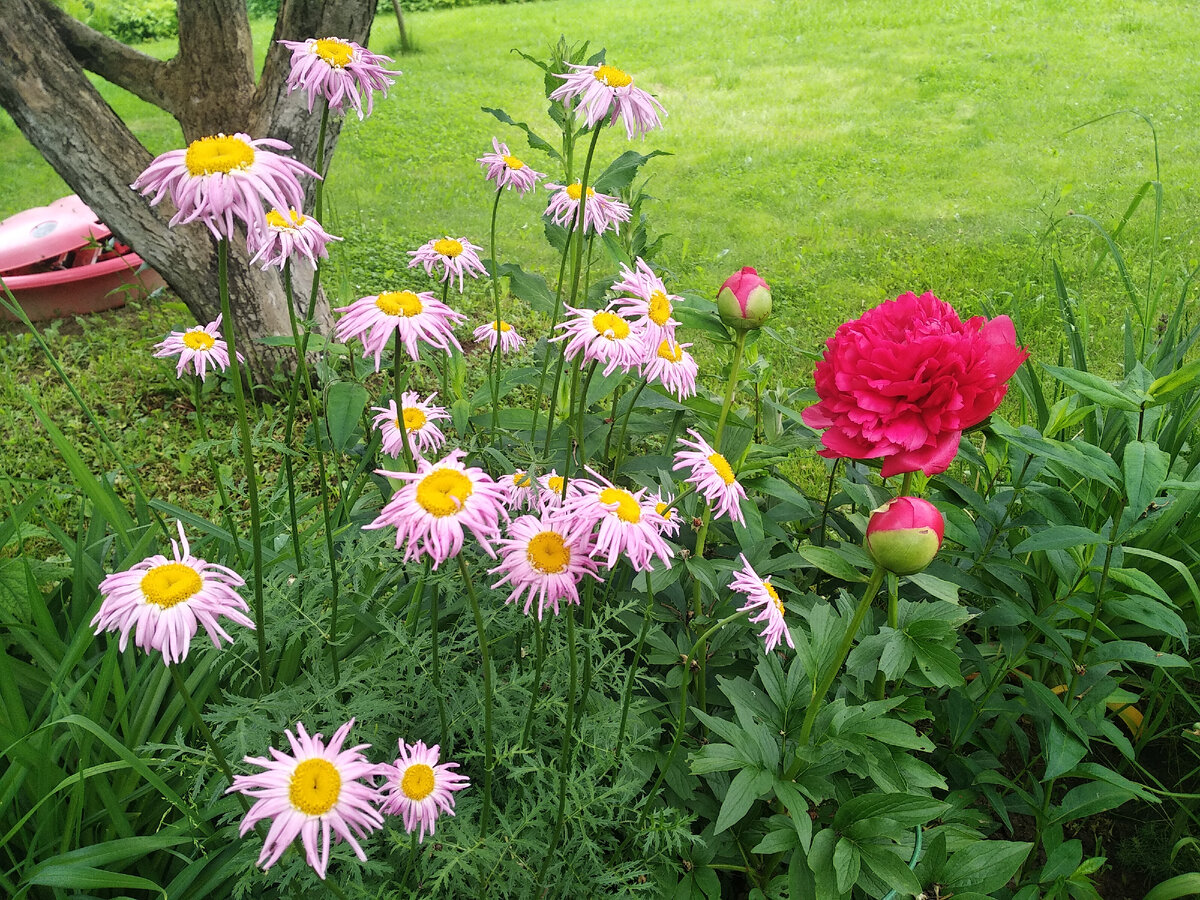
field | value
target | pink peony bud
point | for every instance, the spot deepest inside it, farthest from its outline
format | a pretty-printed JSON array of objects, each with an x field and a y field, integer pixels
[
  {"x": 904, "y": 534},
  {"x": 744, "y": 300}
]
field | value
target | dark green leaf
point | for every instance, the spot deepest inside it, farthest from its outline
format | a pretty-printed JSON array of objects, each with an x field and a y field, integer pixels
[
  {"x": 1095, "y": 388},
  {"x": 343, "y": 411},
  {"x": 1059, "y": 537},
  {"x": 536, "y": 142},
  {"x": 747, "y": 786},
  {"x": 985, "y": 866},
  {"x": 621, "y": 171}
]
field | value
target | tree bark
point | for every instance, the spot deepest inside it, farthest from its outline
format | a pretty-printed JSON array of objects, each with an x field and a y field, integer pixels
[{"x": 209, "y": 87}]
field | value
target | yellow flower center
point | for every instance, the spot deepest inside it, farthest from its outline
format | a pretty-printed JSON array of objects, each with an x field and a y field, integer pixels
[
  {"x": 448, "y": 247},
  {"x": 521, "y": 480},
  {"x": 774, "y": 595},
  {"x": 555, "y": 483},
  {"x": 219, "y": 153},
  {"x": 502, "y": 326},
  {"x": 337, "y": 53},
  {"x": 611, "y": 326},
  {"x": 171, "y": 584},
  {"x": 414, "y": 419},
  {"x": 660, "y": 308},
  {"x": 722, "y": 468},
  {"x": 548, "y": 553},
  {"x": 443, "y": 492},
  {"x": 513, "y": 163},
  {"x": 293, "y": 220},
  {"x": 670, "y": 352},
  {"x": 315, "y": 787},
  {"x": 663, "y": 510},
  {"x": 628, "y": 509},
  {"x": 198, "y": 340},
  {"x": 612, "y": 76},
  {"x": 399, "y": 303},
  {"x": 417, "y": 782},
  {"x": 574, "y": 190}
]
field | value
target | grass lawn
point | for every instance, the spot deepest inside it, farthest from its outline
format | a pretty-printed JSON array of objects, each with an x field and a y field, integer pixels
[{"x": 850, "y": 151}]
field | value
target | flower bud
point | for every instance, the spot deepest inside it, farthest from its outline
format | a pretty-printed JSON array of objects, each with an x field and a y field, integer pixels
[
  {"x": 904, "y": 535},
  {"x": 744, "y": 300}
]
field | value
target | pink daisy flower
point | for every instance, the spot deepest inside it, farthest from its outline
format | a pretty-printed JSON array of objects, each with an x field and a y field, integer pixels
[
  {"x": 455, "y": 257},
  {"x": 493, "y": 333},
  {"x": 311, "y": 793},
  {"x": 224, "y": 177},
  {"x": 545, "y": 558},
  {"x": 166, "y": 600},
  {"x": 436, "y": 503},
  {"x": 674, "y": 368},
  {"x": 200, "y": 348},
  {"x": 712, "y": 476},
  {"x": 666, "y": 519},
  {"x": 606, "y": 92},
  {"x": 520, "y": 491},
  {"x": 506, "y": 171},
  {"x": 420, "y": 420},
  {"x": 419, "y": 789},
  {"x": 550, "y": 490},
  {"x": 646, "y": 300},
  {"x": 602, "y": 336},
  {"x": 281, "y": 236},
  {"x": 600, "y": 213},
  {"x": 411, "y": 317},
  {"x": 626, "y": 523},
  {"x": 761, "y": 593},
  {"x": 342, "y": 72}
]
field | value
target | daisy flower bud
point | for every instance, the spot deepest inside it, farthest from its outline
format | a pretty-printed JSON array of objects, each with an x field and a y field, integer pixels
[{"x": 905, "y": 534}]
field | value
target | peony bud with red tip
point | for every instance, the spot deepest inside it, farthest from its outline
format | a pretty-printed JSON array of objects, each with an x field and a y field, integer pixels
[
  {"x": 904, "y": 534},
  {"x": 744, "y": 300}
]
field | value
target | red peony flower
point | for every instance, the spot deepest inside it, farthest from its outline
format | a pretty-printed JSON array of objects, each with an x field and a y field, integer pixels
[{"x": 902, "y": 382}]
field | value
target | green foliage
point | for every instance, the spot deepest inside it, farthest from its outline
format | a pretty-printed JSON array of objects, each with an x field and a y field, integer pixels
[{"x": 134, "y": 21}]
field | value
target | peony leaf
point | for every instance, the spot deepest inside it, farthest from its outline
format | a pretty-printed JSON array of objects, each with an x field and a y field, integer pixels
[
  {"x": 1060, "y": 537},
  {"x": 1096, "y": 388}
]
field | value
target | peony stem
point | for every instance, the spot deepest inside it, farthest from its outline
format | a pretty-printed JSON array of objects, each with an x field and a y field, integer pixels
[
  {"x": 239, "y": 399},
  {"x": 485, "y": 813}
]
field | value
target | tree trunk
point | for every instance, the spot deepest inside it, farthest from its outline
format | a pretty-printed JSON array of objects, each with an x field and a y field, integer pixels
[{"x": 209, "y": 87}]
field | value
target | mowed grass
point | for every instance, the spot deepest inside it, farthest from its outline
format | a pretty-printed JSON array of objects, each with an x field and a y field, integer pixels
[{"x": 850, "y": 151}]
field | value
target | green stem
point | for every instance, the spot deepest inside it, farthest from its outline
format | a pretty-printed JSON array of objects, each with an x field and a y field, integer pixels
[
  {"x": 580, "y": 438},
  {"x": 739, "y": 349},
  {"x": 567, "y": 745},
  {"x": 821, "y": 689},
  {"x": 485, "y": 813},
  {"x": 620, "y": 457},
  {"x": 495, "y": 361},
  {"x": 239, "y": 399},
  {"x": 893, "y": 620},
  {"x": 399, "y": 385},
  {"x": 202, "y": 727},
  {"x": 226, "y": 509},
  {"x": 537, "y": 406},
  {"x": 681, "y": 723},
  {"x": 536, "y": 688},
  {"x": 301, "y": 345},
  {"x": 434, "y": 617},
  {"x": 627, "y": 694}
]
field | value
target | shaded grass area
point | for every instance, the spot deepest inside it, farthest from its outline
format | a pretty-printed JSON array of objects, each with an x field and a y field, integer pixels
[{"x": 849, "y": 151}]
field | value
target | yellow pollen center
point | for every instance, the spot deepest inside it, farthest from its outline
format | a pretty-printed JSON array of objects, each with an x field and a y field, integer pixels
[
  {"x": 548, "y": 553},
  {"x": 663, "y": 510},
  {"x": 774, "y": 595},
  {"x": 448, "y": 247},
  {"x": 443, "y": 492},
  {"x": 612, "y": 76},
  {"x": 315, "y": 787},
  {"x": 293, "y": 220},
  {"x": 611, "y": 326},
  {"x": 660, "y": 308},
  {"x": 555, "y": 483},
  {"x": 628, "y": 509},
  {"x": 417, "y": 783},
  {"x": 337, "y": 53},
  {"x": 414, "y": 419},
  {"x": 399, "y": 303},
  {"x": 722, "y": 468},
  {"x": 513, "y": 163},
  {"x": 521, "y": 480},
  {"x": 198, "y": 340},
  {"x": 670, "y": 352},
  {"x": 502, "y": 326},
  {"x": 219, "y": 153},
  {"x": 574, "y": 190},
  {"x": 171, "y": 584}
]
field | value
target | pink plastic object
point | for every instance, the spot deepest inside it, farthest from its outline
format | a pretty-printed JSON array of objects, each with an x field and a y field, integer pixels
[{"x": 60, "y": 260}]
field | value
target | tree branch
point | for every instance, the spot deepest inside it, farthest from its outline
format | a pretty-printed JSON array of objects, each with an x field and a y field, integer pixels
[{"x": 141, "y": 75}]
